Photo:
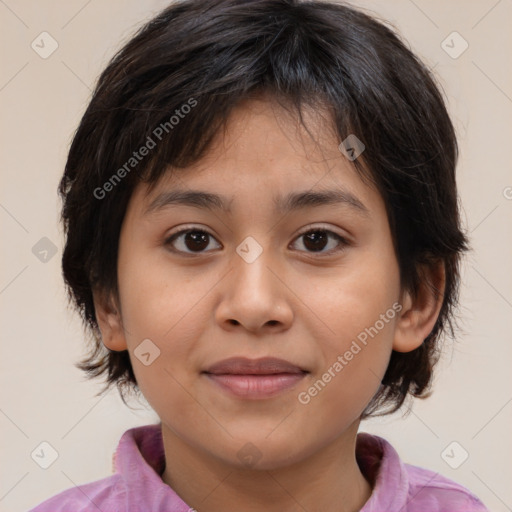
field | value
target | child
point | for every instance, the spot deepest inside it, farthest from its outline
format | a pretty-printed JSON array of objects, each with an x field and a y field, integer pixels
[{"x": 263, "y": 237}]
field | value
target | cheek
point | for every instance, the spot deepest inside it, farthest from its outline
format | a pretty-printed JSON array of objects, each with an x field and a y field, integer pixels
[
  {"x": 353, "y": 298},
  {"x": 354, "y": 361},
  {"x": 358, "y": 308},
  {"x": 164, "y": 314},
  {"x": 158, "y": 298}
]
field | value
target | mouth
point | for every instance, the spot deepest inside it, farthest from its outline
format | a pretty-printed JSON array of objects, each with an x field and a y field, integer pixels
[{"x": 255, "y": 378}]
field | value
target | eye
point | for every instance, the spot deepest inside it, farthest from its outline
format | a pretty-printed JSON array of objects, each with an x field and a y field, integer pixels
[
  {"x": 190, "y": 241},
  {"x": 196, "y": 241},
  {"x": 318, "y": 239}
]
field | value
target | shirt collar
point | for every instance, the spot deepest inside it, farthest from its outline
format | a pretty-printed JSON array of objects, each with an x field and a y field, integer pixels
[
  {"x": 380, "y": 464},
  {"x": 140, "y": 460}
]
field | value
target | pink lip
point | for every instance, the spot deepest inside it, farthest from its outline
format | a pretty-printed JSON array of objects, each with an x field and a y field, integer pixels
[
  {"x": 256, "y": 386},
  {"x": 255, "y": 378}
]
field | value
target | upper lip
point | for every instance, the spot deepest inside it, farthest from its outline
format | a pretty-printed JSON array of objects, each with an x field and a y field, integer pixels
[{"x": 246, "y": 366}]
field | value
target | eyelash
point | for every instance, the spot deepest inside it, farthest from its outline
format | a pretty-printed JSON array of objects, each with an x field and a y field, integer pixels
[{"x": 343, "y": 242}]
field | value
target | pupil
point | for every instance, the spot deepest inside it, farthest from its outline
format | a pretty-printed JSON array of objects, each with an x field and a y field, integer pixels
[
  {"x": 196, "y": 240},
  {"x": 315, "y": 240}
]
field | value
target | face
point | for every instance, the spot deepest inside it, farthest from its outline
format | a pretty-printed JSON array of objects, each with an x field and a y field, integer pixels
[{"x": 298, "y": 264}]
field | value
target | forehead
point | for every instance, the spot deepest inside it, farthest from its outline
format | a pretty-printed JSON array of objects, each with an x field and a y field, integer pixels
[{"x": 265, "y": 154}]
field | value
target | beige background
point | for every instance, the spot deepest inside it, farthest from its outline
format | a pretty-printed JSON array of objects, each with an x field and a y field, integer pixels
[{"x": 44, "y": 398}]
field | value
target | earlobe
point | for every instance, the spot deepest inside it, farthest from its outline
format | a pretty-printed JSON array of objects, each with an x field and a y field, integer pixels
[
  {"x": 109, "y": 321},
  {"x": 421, "y": 310}
]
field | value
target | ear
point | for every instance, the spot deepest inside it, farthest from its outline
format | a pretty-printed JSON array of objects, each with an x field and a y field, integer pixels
[
  {"x": 109, "y": 320},
  {"x": 420, "y": 311}
]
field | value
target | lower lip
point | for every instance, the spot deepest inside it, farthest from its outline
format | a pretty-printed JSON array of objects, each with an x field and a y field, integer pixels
[{"x": 256, "y": 386}]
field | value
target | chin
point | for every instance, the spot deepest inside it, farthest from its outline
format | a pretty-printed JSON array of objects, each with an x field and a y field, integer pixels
[{"x": 261, "y": 453}]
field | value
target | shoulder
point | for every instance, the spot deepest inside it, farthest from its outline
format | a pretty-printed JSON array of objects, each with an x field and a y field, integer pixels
[
  {"x": 400, "y": 486},
  {"x": 431, "y": 491},
  {"x": 107, "y": 495}
]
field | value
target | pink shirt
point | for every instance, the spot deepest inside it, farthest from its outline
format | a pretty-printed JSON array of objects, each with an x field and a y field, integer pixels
[{"x": 139, "y": 461}]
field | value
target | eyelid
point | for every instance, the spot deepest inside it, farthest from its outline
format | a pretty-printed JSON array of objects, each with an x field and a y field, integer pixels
[
  {"x": 322, "y": 227},
  {"x": 187, "y": 229}
]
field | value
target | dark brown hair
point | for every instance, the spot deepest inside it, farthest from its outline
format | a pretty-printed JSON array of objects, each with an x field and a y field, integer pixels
[{"x": 185, "y": 71}]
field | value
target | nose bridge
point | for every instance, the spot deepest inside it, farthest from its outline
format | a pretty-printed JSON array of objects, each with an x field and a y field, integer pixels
[{"x": 251, "y": 265}]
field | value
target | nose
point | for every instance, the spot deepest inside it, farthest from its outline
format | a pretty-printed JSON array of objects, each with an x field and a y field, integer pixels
[{"x": 255, "y": 296}]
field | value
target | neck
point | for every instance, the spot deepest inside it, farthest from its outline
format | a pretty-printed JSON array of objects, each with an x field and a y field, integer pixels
[{"x": 329, "y": 480}]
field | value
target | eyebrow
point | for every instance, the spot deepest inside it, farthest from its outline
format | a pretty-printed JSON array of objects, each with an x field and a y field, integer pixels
[{"x": 292, "y": 202}]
